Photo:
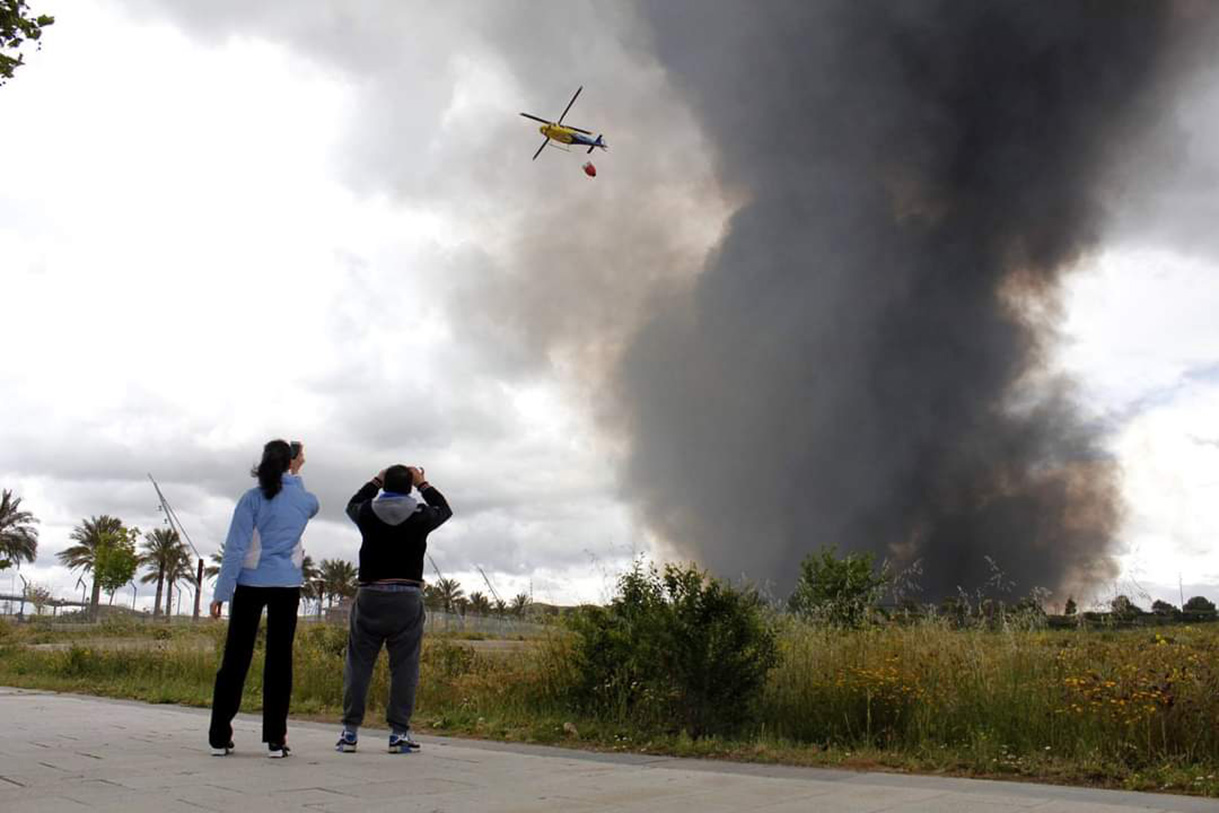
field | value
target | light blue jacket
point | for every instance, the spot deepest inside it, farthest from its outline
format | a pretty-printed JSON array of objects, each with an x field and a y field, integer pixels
[{"x": 264, "y": 548}]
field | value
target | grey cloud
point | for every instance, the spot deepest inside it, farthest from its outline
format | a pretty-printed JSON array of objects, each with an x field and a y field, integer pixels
[{"x": 1164, "y": 193}]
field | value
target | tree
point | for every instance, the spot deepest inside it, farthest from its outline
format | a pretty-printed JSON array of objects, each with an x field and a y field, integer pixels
[
  {"x": 520, "y": 604},
  {"x": 159, "y": 550},
  {"x": 18, "y": 536},
  {"x": 179, "y": 569},
  {"x": 1199, "y": 604},
  {"x": 432, "y": 598},
  {"x": 1123, "y": 607},
  {"x": 339, "y": 578},
  {"x": 1071, "y": 608},
  {"x": 1163, "y": 608},
  {"x": 90, "y": 536},
  {"x": 213, "y": 570},
  {"x": 17, "y": 26},
  {"x": 311, "y": 585},
  {"x": 450, "y": 593},
  {"x": 116, "y": 561},
  {"x": 480, "y": 604},
  {"x": 37, "y": 595},
  {"x": 841, "y": 591}
]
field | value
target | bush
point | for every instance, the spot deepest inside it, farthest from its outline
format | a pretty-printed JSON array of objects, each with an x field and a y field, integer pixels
[
  {"x": 678, "y": 651},
  {"x": 1200, "y": 606},
  {"x": 843, "y": 592}
]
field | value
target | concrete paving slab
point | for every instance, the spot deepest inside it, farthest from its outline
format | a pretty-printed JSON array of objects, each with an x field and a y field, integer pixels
[{"x": 73, "y": 753}]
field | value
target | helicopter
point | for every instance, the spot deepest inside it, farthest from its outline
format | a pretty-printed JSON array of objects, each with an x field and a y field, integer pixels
[{"x": 565, "y": 133}]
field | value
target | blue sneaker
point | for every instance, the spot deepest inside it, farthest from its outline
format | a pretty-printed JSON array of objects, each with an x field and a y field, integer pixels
[
  {"x": 402, "y": 743},
  {"x": 347, "y": 742}
]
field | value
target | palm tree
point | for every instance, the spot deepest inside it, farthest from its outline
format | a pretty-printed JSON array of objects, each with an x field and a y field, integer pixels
[
  {"x": 213, "y": 570},
  {"x": 450, "y": 593},
  {"x": 479, "y": 604},
  {"x": 158, "y": 551},
  {"x": 339, "y": 577},
  {"x": 311, "y": 589},
  {"x": 18, "y": 536},
  {"x": 177, "y": 570},
  {"x": 89, "y": 536},
  {"x": 311, "y": 585},
  {"x": 520, "y": 603}
]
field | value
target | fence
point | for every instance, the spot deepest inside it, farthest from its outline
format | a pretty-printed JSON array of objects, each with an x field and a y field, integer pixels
[{"x": 440, "y": 622}]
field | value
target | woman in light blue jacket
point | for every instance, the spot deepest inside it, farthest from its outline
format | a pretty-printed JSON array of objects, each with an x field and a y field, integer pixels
[{"x": 262, "y": 568}]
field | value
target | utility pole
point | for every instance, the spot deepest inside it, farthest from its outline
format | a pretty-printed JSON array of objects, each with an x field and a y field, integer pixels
[
  {"x": 439, "y": 575},
  {"x": 176, "y": 524},
  {"x": 490, "y": 586},
  {"x": 198, "y": 587}
]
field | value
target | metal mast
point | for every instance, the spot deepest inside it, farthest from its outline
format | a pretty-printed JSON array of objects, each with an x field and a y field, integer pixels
[{"x": 175, "y": 524}]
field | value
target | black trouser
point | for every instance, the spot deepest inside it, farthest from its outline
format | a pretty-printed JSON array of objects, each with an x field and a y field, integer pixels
[{"x": 244, "y": 614}]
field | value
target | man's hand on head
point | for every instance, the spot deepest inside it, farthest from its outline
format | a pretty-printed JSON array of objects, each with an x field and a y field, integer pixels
[
  {"x": 379, "y": 478},
  {"x": 416, "y": 475}
]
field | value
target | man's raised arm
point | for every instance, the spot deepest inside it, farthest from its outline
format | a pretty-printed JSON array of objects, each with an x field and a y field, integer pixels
[
  {"x": 366, "y": 493},
  {"x": 437, "y": 510}
]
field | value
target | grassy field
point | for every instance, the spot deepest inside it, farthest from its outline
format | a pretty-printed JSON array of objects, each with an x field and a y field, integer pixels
[{"x": 1136, "y": 709}]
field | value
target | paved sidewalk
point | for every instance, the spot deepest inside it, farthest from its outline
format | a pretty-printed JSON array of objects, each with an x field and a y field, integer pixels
[{"x": 72, "y": 753}]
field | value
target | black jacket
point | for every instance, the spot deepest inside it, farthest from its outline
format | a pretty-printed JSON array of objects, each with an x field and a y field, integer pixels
[{"x": 394, "y": 535}]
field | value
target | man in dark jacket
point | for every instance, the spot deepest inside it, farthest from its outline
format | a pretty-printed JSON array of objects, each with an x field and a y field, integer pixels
[{"x": 389, "y": 605}]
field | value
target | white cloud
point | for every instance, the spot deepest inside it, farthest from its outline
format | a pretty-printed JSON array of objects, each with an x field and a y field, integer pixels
[{"x": 1140, "y": 337}]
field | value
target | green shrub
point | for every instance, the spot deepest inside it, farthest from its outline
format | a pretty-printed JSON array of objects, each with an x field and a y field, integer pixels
[
  {"x": 843, "y": 592},
  {"x": 678, "y": 651}
]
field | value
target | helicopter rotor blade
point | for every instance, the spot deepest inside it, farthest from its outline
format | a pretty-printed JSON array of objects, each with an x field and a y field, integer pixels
[
  {"x": 569, "y": 104},
  {"x": 539, "y": 152},
  {"x": 535, "y": 118},
  {"x": 577, "y": 129}
]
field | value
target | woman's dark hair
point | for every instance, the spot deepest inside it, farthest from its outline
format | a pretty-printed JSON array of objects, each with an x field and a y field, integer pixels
[{"x": 276, "y": 456}]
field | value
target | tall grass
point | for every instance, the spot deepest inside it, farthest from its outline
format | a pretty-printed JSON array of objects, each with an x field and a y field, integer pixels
[{"x": 1135, "y": 696}]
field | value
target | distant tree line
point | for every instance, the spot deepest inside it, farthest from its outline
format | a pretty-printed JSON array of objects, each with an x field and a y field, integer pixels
[
  {"x": 846, "y": 590},
  {"x": 852, "y": 590}
]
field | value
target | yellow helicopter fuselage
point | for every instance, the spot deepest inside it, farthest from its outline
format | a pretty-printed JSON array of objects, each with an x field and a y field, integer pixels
[{"x": 566, "y": 135}]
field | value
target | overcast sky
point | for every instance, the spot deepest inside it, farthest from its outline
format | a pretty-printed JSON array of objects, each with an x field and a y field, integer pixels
[{"x": 320, "y": 221}]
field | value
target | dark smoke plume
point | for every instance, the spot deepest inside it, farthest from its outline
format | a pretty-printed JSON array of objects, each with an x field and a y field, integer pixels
[{"x": 862, "y": 362}]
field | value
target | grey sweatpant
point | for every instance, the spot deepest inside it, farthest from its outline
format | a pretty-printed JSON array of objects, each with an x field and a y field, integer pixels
[{"x": 393, "y": 618}]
